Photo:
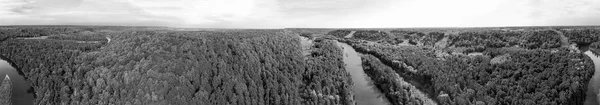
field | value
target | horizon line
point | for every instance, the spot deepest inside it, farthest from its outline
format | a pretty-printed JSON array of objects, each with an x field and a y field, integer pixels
[{"x": 150, "y": 26}]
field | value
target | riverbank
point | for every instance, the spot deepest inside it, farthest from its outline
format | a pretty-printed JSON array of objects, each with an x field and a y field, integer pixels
[
  {"x": 464, "y": 79},
  {"x": 365, "y": 90},
  {"x": 395, "y": 88},
  {"x": 21, "y": 92},
  {"x": 592, "y": 94},
  {"x": 398, "y": 84}
]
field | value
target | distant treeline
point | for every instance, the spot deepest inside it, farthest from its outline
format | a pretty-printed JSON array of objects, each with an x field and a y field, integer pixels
[
  {"x": 13, "y": 32},
  {"x": 582, "y": 36},
  {"x": 339, "y": 33},
  {"x": 370, "y": 35},
  {"x": 83, "y": 36},
  {"x": 478, "y": 39}
]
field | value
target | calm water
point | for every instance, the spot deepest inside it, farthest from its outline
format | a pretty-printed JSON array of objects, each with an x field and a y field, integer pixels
[
  {"x": 594, "y": 85},
  {"x": 365, "y": 93},
  {"x": 20, "y": 94}
]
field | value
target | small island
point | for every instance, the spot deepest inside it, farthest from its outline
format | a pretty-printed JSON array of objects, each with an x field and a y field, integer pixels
[{"x": 5, "y": 91}]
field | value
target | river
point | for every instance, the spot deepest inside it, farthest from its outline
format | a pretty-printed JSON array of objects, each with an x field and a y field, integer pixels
[
  {"x": 365, "y": 93},
  {"x": 21, "y": 93},
  {"x": 594, "y": 84}
]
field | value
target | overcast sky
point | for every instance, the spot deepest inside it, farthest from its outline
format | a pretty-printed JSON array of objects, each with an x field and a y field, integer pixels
[{"x": 301, "y": 13}]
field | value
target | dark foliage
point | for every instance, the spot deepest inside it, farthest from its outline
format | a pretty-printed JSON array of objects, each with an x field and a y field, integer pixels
[
  {"x": 493, "y": 39},
  {"x": 582, "y": 36},
  {"x": 85, "y": 36},
  {"x": 529, "y": 77},
  {"x": 414, "y": 35},
  {"x": 307, "y": 35},
  {"x": 385, "y": 79},
  {"x": 543, "y": 39},
  {"x": 49, "y": 65},
  {"x": 326, "y": 81},
  {"x": 370, "y": 35},
  {"x": 174, "y": 67},
  {"x": 268, "y": 67},
  {"x": 595, "y": 48},
  {"x": 14, "y": 32},
  {"x": 432, "y": 37},
  {"x": 339, "y": 33}
]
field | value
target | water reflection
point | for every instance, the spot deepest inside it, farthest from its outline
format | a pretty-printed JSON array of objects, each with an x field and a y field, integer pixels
[
  {"x": 592, "y": 98},
  {"x": 365, "y": 93},
  {"x": 22, "y": 93}
]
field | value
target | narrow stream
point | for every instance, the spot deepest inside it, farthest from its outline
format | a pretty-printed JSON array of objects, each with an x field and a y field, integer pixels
[
  {"x": 21, "y": 93},
  {"x": 365, "y": 93},
  {"x": 594, "y": 84}
]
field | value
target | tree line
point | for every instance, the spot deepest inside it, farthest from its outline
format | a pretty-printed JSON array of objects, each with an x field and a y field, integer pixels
[
  {"x": 582, "y": 36},
  {"x": 181, "y": 67}
]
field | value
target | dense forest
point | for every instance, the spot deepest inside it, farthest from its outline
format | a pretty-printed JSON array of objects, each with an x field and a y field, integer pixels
[
  {"x": 391, "y": 84},
  {"x": 49, "y": 65},
  {"x": 325, "y": 77},
  {"x": 6, "y": 33},
  {"x": 370, "y": 35},
  {"x": 179, "y": 67},
  {"x": 158, "y": 66},
  {"x": 513, "y": 67},
  {"x": 582, "y": 36},
  {"x": 476, "y": 79},
  {"x": 339, "y": 33}
]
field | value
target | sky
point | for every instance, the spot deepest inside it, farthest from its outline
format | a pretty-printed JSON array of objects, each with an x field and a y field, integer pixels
[{"x": 301, "y": 13}]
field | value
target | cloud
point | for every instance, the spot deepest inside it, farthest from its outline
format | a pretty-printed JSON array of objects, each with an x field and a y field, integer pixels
[
  {"x": 565, "y": 12},
  {"x": 11, "y": 7},
  {"x": 300, "y": 13}
]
